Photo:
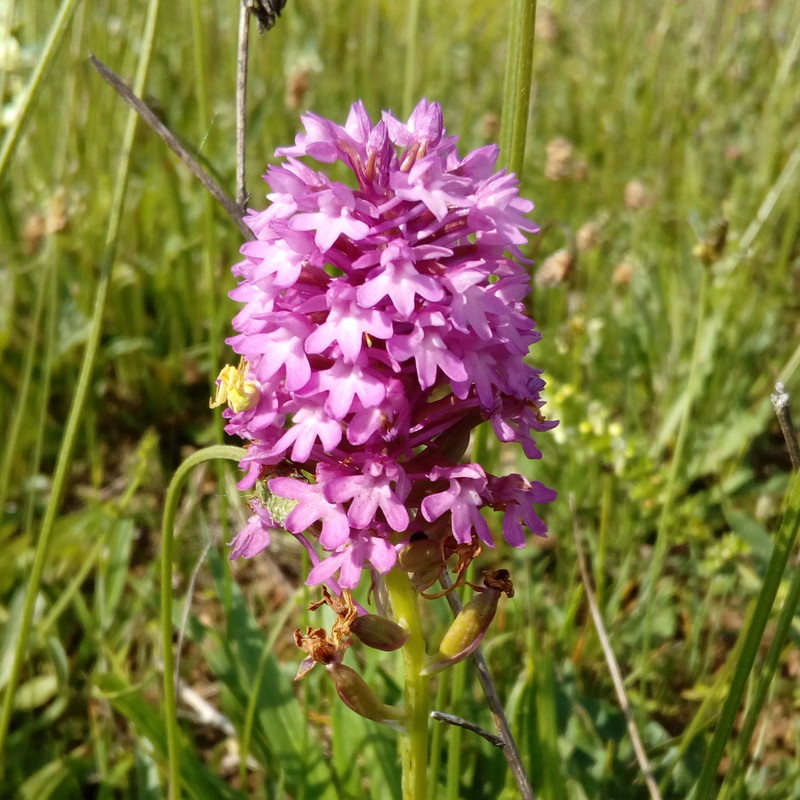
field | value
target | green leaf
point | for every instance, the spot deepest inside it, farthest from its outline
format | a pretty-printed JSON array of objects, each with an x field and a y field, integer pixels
[
  {"x": 751, "y": 531},
  {"x": 12, "y": 625},
  {"x": 59, "y": 658},
  {"x": 113, "y": 572}
]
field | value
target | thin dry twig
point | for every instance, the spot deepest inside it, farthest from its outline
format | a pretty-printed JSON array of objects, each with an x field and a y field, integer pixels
[
  {"x": 783, "y": 410},
  {"x": 510, "y": 750},
  {"x": 452, "y": 719},
  {"x": 155, "y": 124},
  {"x": 242, "y": 54},
  {"x": 613, "y": 667}
]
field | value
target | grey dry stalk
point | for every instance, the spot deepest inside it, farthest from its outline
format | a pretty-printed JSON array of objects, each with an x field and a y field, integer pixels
[
  {"x": 453, "y": 719},
  {"x": 783, "y": 410},
  {"x": 611, "y": 660},
  {"x": 155, "y": 124},
  {"x": 242, "y": 55}
]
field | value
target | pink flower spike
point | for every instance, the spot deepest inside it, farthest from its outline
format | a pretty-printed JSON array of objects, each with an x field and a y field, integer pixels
[
  {"x": 370, "y": 491},
  {"x": 309, "y": 425},
  {"x": 463, "y": 499},
  {"x": 348, "y": 323},
  {"x": 383, "y": 317},
  {"x": 399, "y": 280}
]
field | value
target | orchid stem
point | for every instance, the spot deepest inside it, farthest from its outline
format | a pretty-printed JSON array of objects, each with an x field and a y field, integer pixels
[{"x": 414, "y": 744}]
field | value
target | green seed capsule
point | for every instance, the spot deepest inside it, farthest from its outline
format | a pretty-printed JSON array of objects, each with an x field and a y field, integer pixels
[
  {"x": 356, "y": 694},
  {"x": 466, "y": 631},
  {"x": 378, "y": 632}
]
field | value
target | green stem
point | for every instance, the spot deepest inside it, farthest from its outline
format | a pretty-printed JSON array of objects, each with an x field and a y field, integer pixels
[
  {"x": 513, "y": 126},
  {"x": 167, "y": 539},
  {"x": 77, "y": 409},
  {"x": 509, "y": 85},
  {"x": 517, "y": 85},
  {"x": 456, "y": 738},
  {"x": 412, "y": 40},
  {"x": 414, "y": 744}
]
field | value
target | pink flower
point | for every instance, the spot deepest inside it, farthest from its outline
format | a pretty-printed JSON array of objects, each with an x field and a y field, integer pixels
[
  {"x": 382, "y": 321},
  {"x": 254, "y": 537},
  {"x": 463, "y": 499},
  {"x": 363, "y": 548}
]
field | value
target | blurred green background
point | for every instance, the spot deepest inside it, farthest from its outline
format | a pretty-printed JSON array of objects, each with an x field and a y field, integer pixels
[{"x": 650, "y": 123}]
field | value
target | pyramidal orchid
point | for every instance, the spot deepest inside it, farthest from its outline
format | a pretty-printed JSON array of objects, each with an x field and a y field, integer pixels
[{"x": 383, "y": 320}]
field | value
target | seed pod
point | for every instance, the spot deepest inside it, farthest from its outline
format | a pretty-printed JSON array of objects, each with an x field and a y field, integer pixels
[
  {"x": 422, "y": 559},
  {"x": 356, "y": 695},
  {"x": 379, "y": 632},
  {"x": 466, "y": 631}
]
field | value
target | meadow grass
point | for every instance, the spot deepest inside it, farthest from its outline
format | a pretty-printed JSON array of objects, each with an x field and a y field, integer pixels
[{"x": 650, "y": 122}]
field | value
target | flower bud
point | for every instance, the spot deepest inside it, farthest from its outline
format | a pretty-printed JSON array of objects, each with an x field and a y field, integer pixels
[
  {"x": 356, "y": 695},
  {"x": 431, "y": 125},
  {"x": 710, "y": 249},
  {"x": 453, "y": 443},
  {"x": 379, "y": 632}
]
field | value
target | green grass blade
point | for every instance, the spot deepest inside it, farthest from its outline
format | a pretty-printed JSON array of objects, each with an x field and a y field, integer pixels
[
  {"x": 752, "y": 638},
  {"x": 665, "y": 517},
  {"x": 21, "y": 406},
  {"x": 258, "y": 679},
  {"x": 280, "y": 732},
  {"x": 82, "y": 388},
  {"x": 59, "y": 27},
  {"x": 767, "y": 671}
]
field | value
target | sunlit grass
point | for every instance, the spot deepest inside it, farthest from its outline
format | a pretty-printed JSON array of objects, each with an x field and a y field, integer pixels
[{"x": 673, "y": 116}]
